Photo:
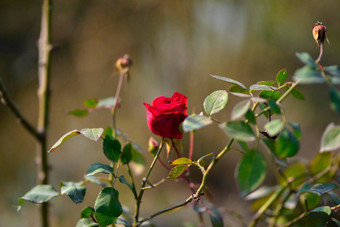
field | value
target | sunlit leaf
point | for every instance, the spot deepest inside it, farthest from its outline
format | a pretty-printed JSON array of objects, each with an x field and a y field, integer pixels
[
  {"x": 215, "y": 102},
  {"x": 237, "y": 89},
  {"x": 306, "y": 59},
  {"x": 321, "y": 162},
  {"x": 333, "y": 70},
  {"x": 92, "y": 133},
  {"x": 39, "y": 194},
  {"x": 86, "y": 222},
  {"x": 95, "y": 180},
  {"x": 331, "y": 138},
  {"x": 296, "y": 174},
  {"x": 195, "y": 122},
  {"x": 107, "y": 103},
  {"x": 181, "y": 161},
  {"x": 239, "y": 130},
  {"x": 287, "y": 144},
  {"x": 107, "y": 206},
  {"x": 324, "y": 209},
  {"x": 308, "y": 75},
  {"x": 259, "y": 87},
  {"x": 281, "y": 77},
  {"x": 240, "y": 109},
  {"x": 63, "y": 139},
  {"x": 99, "y": 168},
  {"x": 177, "y": 171},
  {"x": 229, "y": 81},
  {"x": 274, "y": 127},
  {"x": 251, "y": 172},
  {"x": 75, "y": 190}
]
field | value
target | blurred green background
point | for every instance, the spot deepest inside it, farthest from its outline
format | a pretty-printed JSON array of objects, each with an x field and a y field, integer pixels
[{"x": 175, "y": 45}]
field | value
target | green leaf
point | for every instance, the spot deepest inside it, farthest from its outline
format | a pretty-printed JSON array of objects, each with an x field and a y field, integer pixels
[
  {"x": 321, "y": 162},
  {"x": 237, "y": 89},
  {"x": 79, "y": 112},
  {"x": 308, "y": 75},
  {"x": 335, "y": 99},
  {"x": 124, "y": 181},
  {"x": 281, "y": 77},
  {"x": 215, "y": 102},
  {"x": 177, "y": 171},
  {"x": 259, "y": 87},
  {"x": 99, "y": 168},
  {"x": 39, "y": 194},
  {"x": 296, "y": 173},
  {"x": 95, "y": 180},
  {"x": 111, "y": 148},
  {"x": 229, "y": 81},
  {"x": 251, "y": 172},
  {"x": 324, "y": 209},
  {"x": 268, "y": 83},
  {"x": 75, "y": 190},
  {"x": 91, "y": 103},
  {"x": 240, "y": 109},
  {"x": 274, "y": 127},
  {"x": 86, "y": 222},
  {"x": 296, "y": 129},
  {"x": 107, "y": 206},
  {"x": 181, "y": 161},
  {"x": 266, "y": 94},
  {"x": 275, "y": 109},
  {"x": 333, "y": 70},
  {"x": 331, "y": 138},
  {"x": 92, "y": 133},
  {"x": 195, "y": 122},
  {"x": 126, "y": 154},
  {"x": 287, "y": 144},
  {"x": 250, "y": 116},
  {"x": 276, "y": 95},
  {"x": 306, "y": 59},
  {"x": 216, "y": 218},
  {"x": 239, "y": 130},
  {"x": 323, "y": 188},
  {"x": 86, "y": 212},
  {"x": 297, "y": 94}
]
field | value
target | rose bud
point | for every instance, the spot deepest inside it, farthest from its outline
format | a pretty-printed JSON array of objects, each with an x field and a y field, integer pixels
[
  {"x": 319, "y": 33},
  {"x": 153, "y": 146},
  {"x": 124, "y": 63},
  {"x": 166, "y": 114}
]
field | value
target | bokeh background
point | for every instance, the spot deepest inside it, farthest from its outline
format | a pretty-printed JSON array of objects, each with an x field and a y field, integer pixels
[{"x": 175, "y": 45}]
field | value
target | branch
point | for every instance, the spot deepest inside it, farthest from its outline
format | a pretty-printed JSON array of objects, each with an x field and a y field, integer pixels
[{"x": 15, "y": 110}]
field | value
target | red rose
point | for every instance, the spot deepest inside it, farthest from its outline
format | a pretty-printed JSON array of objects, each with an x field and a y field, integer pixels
[{"x": 166, "y": 114}]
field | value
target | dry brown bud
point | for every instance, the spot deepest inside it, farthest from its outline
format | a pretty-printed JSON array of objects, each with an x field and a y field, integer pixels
[
  {"x": 319, "y": 33},
  {"x": 124, "y": 63}
]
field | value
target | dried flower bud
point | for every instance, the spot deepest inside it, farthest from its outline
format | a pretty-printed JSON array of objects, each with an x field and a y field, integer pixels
[
  {"x": 319, "y": 33},
  {"x": 153, "y": 146},
  {"x": 124, "y": 63}
]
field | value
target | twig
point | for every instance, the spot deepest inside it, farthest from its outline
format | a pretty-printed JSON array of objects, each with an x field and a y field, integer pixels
[
  {"x": 15, "y": 110},
  {"x": 145, "y": 179},
  {"x": 44, "y": 69}
]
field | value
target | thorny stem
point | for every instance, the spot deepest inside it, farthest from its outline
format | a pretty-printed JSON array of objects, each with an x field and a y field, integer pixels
[
  {"x": 145, "y": 180},
  {"x": 117, "y": 94},
  {"x": 44, "y": 69}
]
